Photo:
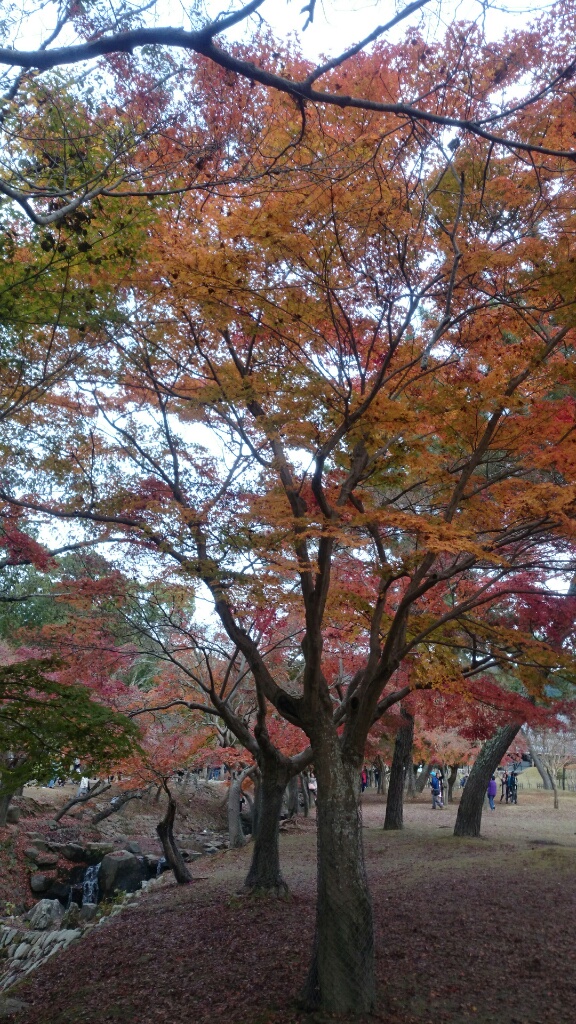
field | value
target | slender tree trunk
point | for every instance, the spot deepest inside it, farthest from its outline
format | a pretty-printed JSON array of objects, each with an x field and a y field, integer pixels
[
  {"x": 116, "y": 804},
  {"x": 165, "y": 830},
  {"x": 292, "y": 800},
  {"x": 410, "y": 780},
  {"x": 451, "y": 775},
  {"x": 97, "y": 790},
  {"x": 265, "y": 874},
  {"x": 555, "y": 788},
  {"x": 303, "y": 779},
  {"x": 401, "y": 764},
  {"x": 382, "y": 770},
  {"x": 469, "y": 817},
  {"x": 538, "y": 763},
  {"x": 423, "y": 778},
  {"x": 341, "y": 976},
  {"x": 236, "y": 837}
]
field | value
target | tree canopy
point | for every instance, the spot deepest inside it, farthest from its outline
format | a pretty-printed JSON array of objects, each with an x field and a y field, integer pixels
[{"x": 329, "y": 390}]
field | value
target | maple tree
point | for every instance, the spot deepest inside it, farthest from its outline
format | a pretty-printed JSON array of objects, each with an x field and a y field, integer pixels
[
  {"x": 216, "y": 681},
  {"x": 46, "y": 724},
  {"x": 170, "y": 742},
  {"x": 460, "y": 70},
  {"x": 344, "y": 397}
]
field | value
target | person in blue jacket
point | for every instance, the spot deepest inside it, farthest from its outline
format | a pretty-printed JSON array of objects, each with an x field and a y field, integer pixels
[{"x": 435, "y": 787}]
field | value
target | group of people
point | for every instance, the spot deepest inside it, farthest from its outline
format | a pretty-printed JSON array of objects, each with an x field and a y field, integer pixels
[
  {"x": 508, "y": 782},
  {"x": 509, "y": 789},
  {"x": 369, "y": 777}
]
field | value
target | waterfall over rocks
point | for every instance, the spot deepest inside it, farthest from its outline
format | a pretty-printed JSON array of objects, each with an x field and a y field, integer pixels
[{"x": 90, "y": 887}]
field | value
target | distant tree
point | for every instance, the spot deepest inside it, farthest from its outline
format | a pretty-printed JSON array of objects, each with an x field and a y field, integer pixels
[{"x": 556, "y": 750}]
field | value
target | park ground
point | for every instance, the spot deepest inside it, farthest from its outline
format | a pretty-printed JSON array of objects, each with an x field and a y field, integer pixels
[{"x": 466, "y": 930}]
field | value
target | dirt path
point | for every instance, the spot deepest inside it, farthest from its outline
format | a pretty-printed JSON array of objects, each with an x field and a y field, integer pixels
[{"x": 474, "y": 930}]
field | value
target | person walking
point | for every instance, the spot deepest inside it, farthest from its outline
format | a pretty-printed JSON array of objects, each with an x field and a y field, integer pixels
[
  {"x": 435, "y": 787},
  {"x": 364, "y": 778},
  {"x": 492, "y": 789},
  {"x": 440, "y": 775},
  {"x": 513, "y": 788}
]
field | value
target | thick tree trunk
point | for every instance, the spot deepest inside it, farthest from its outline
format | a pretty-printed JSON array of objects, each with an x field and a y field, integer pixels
[
  {"x": 5, "y": 800},
  {"x": 423, "y": 778},
  {"x": 401, "y": 763},
  {"x": 469, "y": 817},
  {"x": 452, "y": 775},
  {"x": 165, "y": 830},
  {"x": 256, "y": 807},
  {"x": 341, "y": 976},
  {"x": 265, "y": 874}
]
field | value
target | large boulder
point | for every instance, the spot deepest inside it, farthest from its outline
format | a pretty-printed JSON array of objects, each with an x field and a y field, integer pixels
[
  {"x": 121, "y": 870},
  {"x": 70, "y": 851},
  {"x": 87, "y": 913},
  {"x": 80, "y": 852},
  {"x": 94, "y": 852},
  {"x": 46, "y": 914},
  {"x": 71, "y": 916},
  {"x": 40, "y": 882},
  {"x": 59, "y": 891}
]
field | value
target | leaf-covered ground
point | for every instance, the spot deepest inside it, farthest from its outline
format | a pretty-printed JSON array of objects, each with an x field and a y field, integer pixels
[{"x": 480, "y": 931}]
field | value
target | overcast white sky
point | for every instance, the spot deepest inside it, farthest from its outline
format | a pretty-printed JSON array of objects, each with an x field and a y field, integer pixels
[{"x": 337, "y": 24}]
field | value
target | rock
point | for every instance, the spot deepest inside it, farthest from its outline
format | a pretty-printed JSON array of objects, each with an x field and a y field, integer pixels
[
  {"x": 121, "y": 870},
  {"x": 9, "y": 1006},
  {"x": 46, "y": 860},
  {"x": 71, "y": 916},
  {"x": 7, "y": 936},
  {"x": 38, "y": 841},
  {"x": 87, "y": 913},
  {"x": 58, "y": 891},
  {"x": 68, "y": 936},
  {"x": 95, "y": 852},
  {"x": 70, "y": 851},
  {"x": 46, "y": 914},
  {"x": 40, "y": 882},
  {"x": 133, "y": 847},
  {"x": 13, "y": 815},
  {"x": 22, "y": 951},
  {"x": 151, "y": 861}
]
